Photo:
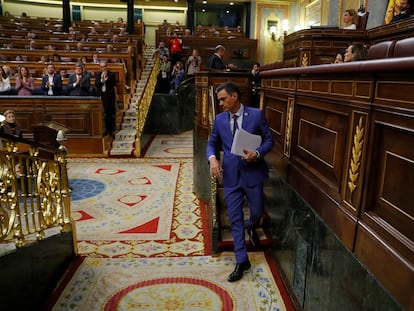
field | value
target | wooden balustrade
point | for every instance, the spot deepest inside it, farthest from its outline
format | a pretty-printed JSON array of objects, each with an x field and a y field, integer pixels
[{"x": 344, "y": 141}]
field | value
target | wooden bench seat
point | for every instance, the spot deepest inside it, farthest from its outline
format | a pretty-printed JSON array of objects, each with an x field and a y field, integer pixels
[
  {"x": 36, "y": 70},
  {"x": 75, "y": 56},
  {"x": 82, "y": 115},
  {"x": 239, "y": 51},
  {"x": 43, "y": 24},
  {"x": 90, "y": 46}
]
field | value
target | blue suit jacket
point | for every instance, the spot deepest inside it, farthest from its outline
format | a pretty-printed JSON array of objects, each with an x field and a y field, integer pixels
[
  {"x": 57, "y": 84},
  {"x": 234, "y": 167}
]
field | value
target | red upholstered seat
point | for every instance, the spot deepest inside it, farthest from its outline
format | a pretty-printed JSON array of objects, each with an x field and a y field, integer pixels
[
  {"x": 381, "y": 50},
  {"x": 404, "y": 48},
  {"x": 363, "y": 19}
]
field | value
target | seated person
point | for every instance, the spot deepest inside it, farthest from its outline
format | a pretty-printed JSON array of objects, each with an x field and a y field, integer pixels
[
  {"x": 339, "y": 58},
  {"x": 9, "y": 126},
  {"x": 350, "y": 19},
  {"x": 404, "y": 9},
  {"x": 355, "y": 52}
]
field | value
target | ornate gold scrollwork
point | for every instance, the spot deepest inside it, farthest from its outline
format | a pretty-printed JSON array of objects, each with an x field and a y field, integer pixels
[
  {"x": 305, "y": 60},
  {"x": 213, "y": 182},
  {"x": 356, "y": 156},
  {"x": 288, "y": 127},
  {"x": 204, "y": 105},
  {"x": 34, "y": 195},
  {"x": 144, "y": 104}
]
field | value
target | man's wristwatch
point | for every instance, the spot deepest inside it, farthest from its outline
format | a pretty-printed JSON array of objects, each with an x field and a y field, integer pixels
[{"x": 257, "y": 154}]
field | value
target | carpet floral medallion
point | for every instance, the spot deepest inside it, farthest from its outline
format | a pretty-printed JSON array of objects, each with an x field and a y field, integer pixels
[
  {"x": 185, "y": 284},
  {"x": 135, "y": 207}
]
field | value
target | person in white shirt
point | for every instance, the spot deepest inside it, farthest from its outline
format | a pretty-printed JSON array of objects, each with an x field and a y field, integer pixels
[
  {"x": 350, "y": 19},
  {"x": 193, "y": 63},
  {"x": 5, "y": 86},
  {"x": 51, "y": 81}
]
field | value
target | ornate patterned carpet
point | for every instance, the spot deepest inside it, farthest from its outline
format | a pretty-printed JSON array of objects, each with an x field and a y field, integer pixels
[
  {"x": 135, "y": 207},
  {"x": 143, "y": 237},
  {"x": 171, "y": 146},
  {"x": 185, "y": 284}
]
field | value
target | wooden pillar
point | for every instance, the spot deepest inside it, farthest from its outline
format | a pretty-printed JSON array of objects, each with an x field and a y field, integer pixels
[{"x": 66, "y": 15}]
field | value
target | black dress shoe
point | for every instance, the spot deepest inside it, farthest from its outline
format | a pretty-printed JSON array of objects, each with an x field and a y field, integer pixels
[
  {"x": 253, "y": 237},
  {"x": 237, "y": 274}
]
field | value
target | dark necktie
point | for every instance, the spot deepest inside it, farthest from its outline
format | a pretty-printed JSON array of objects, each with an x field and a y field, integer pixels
[{"x": 235, "y": 126}]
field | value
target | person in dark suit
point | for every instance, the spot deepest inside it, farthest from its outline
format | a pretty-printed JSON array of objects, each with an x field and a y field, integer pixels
[
  {"x": 105, "y": 84},
  {"x": 79, "y": 83},
  {"x": 215, "y": 61},
  {"x": 404, "y": 7},
  {"x": 51, "y": 81},
  {"x": 242, "y": 176}
]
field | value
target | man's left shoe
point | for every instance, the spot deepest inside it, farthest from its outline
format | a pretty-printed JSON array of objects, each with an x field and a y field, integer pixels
[
  {"x": 253, "y": 237},
  {"x": 237, "y": 274}
]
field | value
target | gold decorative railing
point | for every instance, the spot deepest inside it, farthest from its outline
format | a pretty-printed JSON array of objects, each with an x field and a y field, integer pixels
[
  {"x": 144, "y": 105},
  {"x": 34, "y": 191}
]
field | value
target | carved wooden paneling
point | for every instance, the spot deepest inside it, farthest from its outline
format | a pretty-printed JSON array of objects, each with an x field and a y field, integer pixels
[
  {"x": 354, "y": 171},
  {"x": 319, "y": 142},
  {"x": 82, "y": 115},
  {"x": 359, "y": 89},
  {"x": 351, "y": 157},
  {"x": 275, "y": 112},
  {"x": 388, "y": 206},
  {"x": 386, "y": 263}
]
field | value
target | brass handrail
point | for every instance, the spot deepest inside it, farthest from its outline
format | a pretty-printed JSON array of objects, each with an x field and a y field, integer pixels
[{"x": 144, "y": 105}]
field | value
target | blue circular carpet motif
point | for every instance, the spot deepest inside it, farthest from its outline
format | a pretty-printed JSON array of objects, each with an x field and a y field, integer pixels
[{"x": 85, "y": 188}]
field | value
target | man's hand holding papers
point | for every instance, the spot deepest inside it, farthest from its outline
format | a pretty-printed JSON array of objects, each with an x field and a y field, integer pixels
[{"x": 245, "y": 145}]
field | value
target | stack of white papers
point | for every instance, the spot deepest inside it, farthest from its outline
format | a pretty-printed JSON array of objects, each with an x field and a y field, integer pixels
[{"x": 244, "y": 140}]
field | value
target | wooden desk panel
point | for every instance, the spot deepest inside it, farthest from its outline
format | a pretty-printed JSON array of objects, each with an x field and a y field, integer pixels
[
  {"x": 83, "y": 116},
  {"x": 351, "y": 157}
]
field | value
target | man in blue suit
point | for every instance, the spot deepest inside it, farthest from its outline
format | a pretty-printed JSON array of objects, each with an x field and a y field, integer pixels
[
  {"x": 51, "y": 81},
  {"x": 242, "y": 176}
]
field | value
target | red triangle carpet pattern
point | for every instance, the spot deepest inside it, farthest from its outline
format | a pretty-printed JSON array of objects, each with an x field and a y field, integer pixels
[
  {"x": 179, "y": 275},
  {"x": 149, "y": 227},
  {"x": 165, "y": 221}
]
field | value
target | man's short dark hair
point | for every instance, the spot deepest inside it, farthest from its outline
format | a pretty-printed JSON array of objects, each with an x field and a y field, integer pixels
[{"x": 229, "y": 87}]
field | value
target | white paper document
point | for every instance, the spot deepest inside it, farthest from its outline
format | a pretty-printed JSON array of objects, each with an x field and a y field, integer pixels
[{"x": 245, "y": 140}]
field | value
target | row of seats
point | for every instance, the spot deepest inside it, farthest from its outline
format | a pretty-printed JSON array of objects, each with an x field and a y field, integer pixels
[
  {"x": 392, "y": 48},
  {"x": 380, "y": 50}
]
